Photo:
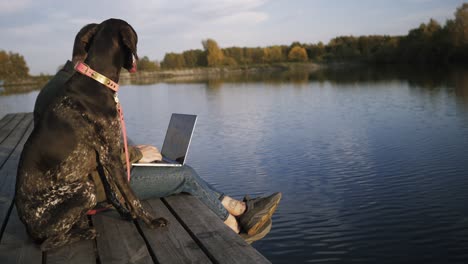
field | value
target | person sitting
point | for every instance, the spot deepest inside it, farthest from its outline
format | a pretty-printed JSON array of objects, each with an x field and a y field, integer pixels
[{"x": 251, "y": 217}]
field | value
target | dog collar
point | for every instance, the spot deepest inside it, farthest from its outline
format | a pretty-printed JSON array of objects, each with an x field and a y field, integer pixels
[{"x": 84, "y": 69}]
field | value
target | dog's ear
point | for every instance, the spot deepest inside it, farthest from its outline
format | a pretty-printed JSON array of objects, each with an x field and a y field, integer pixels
[
  {"x": 129, "y": 39},
  {"x": 82, "y": 42}
]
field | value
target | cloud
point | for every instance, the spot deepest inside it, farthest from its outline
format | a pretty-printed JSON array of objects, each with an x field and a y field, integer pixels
[
  {"x": 439, "y": 14},
  {"x": 244, "y": 18},
  {"x": 11, "y": 7},
  {"x": 162, "y": 25}
]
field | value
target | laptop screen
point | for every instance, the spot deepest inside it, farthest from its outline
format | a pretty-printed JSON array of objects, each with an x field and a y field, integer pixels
[{"x": 178, "y": 137}]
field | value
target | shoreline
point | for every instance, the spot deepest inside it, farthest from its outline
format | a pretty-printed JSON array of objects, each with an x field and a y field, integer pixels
[
  {"x": 194, "y": 74},
  {"x": 174, "y": 75}
]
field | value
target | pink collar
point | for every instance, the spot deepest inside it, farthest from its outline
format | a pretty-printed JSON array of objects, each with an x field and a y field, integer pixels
[
  {"x": 84, "y": 69},
  {"x": 87, "y": 71}
]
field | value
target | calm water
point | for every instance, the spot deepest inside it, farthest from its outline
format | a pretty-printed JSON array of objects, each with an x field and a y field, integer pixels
[{"x": 373, "y": 165}]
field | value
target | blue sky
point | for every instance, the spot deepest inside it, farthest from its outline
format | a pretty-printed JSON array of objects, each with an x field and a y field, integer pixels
[{"x": 43, "y": 31}]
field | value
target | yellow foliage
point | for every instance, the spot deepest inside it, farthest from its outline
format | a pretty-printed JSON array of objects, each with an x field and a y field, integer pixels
[{"x": 297, "y": 54}]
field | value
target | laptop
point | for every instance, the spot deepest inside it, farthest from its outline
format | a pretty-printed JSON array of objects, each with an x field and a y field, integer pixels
[{"x": 176, "y": 143}]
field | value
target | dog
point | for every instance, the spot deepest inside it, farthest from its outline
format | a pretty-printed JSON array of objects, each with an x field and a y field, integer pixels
[{"x": 78, "y": 133}]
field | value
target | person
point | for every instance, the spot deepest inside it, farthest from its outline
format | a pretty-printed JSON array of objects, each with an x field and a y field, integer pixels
[{"x": 251, "y": 217}]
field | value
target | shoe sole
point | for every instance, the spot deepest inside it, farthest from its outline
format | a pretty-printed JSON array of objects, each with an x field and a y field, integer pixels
[
  {"x": 263, "y": 231},
  {"x": 254, "y": 229}
]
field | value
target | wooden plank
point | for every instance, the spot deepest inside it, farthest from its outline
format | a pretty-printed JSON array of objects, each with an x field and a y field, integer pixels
[
  {"x": 9, "y": 127},
  {"x": 12, "y": 132},
  {"x": 222, "y": 243},
  {"x": 171, "y": 244},
  {"x": 8, "y": 170},
  {"x": 16, "y": 246},
  {"x": 5, "y": 120},
  {"x": 82, "y": 252},
  {"x": 118, "y": 240}
]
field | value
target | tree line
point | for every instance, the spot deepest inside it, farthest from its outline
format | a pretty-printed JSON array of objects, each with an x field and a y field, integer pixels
[{"x": 431, "y": 43}]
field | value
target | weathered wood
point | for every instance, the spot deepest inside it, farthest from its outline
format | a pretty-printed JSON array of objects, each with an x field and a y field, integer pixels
[
  {"x": 9, "y": 127},
  {"x": 82, "y": 252},
  {"x": 195, "y": 234},
  {"x": 8, "y": 170},
  {"x": 5, "y": 120},
  {"x": 171, "y": 244},
  {"x": 118, "y": 240},
  {"x": 222, "y": 244},
  {"x": 16, "y": 246},
  {"x": 11, "y": 134}
]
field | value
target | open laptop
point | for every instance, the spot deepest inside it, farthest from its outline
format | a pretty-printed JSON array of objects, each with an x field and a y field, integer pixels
[{"x": 176, "y": 143}]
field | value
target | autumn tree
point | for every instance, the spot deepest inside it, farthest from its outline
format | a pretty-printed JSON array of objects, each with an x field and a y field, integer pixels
[
  {"x": 214, "y": 55},
  {"x": 276, "y": 54},
  {"x": 12, "y": 66},
  {"x": 461, "y": 26},
  {"x": 297, "y": 54},
  {"x": 235, "y": 53}
]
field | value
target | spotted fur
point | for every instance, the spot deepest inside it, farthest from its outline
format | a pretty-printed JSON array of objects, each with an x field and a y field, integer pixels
[{"x": 78, "y": 134}]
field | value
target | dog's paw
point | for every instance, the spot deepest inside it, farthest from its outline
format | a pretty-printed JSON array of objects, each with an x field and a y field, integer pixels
[{"x": 158, "y": 222}]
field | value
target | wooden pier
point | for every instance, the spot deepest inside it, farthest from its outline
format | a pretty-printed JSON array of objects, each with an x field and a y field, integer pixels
[{"x": 195, "y": 234}]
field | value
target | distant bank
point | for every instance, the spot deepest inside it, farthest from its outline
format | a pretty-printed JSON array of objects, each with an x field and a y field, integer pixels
[
  {"x": 174, "y": 75},
  {"x": 202, "y": 73}
]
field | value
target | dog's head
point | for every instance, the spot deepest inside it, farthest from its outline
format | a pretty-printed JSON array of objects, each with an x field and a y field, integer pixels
[{"x": 115, "y": 32}]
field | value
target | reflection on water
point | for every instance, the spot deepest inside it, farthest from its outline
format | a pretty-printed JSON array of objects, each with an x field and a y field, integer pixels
[{"x": 371, "y": 163}]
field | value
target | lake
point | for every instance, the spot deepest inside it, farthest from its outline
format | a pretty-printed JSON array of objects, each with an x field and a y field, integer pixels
[{"x": 372, "y": 163}]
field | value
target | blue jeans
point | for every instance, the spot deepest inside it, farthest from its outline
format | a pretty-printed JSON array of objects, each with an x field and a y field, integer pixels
[{"x": 150, "y": 182}]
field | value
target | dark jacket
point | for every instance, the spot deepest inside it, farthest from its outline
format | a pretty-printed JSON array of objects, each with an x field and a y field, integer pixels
[{"x": 50, "y": 91}]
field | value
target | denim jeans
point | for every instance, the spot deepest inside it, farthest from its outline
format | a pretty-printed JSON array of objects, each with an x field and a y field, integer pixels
[{"x": 151, "y": 182}]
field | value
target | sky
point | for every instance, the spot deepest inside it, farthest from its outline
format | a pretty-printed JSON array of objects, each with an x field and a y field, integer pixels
[{"x": 43, "y": 31}]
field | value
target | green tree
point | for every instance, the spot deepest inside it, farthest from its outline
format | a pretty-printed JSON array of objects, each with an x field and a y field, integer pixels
[
  {"x": 194, "y": 58},
  {"x": 144, "y": 64},
  {"x": 257, "y": 55},
  {"x": 236, "y": 53},
  {"x": 315, "y": 52},
  {"x": 173, "y": 61},
  {"x": 228, "y": 61},
  {"x": 297, "y": 54}
]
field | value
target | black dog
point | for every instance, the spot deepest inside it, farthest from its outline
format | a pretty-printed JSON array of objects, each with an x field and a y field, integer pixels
[{"x": 79, "y": 133}]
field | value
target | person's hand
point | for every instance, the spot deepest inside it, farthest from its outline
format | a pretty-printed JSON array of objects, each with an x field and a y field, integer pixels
[{"x": 150, "y": 153}]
